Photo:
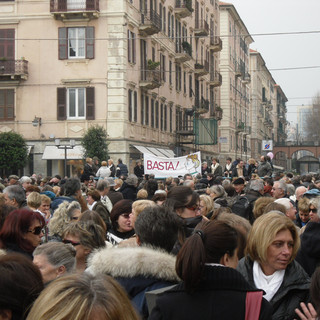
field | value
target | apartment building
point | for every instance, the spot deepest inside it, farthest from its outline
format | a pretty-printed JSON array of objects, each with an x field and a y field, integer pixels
[
  {"x": 235, "y": 126},
  {"x": 145, "y": 70}
]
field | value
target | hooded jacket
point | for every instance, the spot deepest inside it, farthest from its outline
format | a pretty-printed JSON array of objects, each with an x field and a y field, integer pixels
[
  {"x": 309, "y": 253},
  {"x": 293, "y": 290},
  {"x": 221, "y": 294},
  {"x": 137, "y": 269}
]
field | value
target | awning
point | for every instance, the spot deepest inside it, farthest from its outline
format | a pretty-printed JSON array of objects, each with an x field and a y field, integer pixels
[
  {"x": 29, "y": 149},
  {"x": 53, "y": 153},
  {"x": 159, "y": 152}
]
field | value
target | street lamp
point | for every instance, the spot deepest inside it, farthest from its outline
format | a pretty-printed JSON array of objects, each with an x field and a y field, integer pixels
[{"x": 65, "y": 147}]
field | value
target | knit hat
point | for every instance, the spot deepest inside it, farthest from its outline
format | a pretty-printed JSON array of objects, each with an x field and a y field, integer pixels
[{"x": 238, "y": 181}]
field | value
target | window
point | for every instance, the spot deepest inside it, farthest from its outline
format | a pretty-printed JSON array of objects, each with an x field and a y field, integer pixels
[
  {"x": 75, "y": 103},
  {"x": 161, "y": 117},
  {"x": 169, "y": 24},
  {"x": 165, "y": 117},
  {"x": 152, "y": 113},
  {"x": 178, "y": 78},
  {"x": 7, "y": 43},
  {"x": 131, "y": 47},
  {"x": 190, "y": 86},
  {"x": 132, "y": 105},
  {"x": 184, "y": 82},
  {"x": 163, "y": 67},
  {"x": 170, "y": 73},
  {"x": 76, "y": 43},
  {"x": 144, "y": 109},
  {"x": 170, "y": 118},
  {"x": 157, "y": 114},
  {"x": 6, "y": 104}
]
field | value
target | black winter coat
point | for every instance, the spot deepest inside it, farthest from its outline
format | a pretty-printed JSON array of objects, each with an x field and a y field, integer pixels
[
  {"x": 309, "y": 252},
  {"x": 293, "y": 290},
  {"x": 128, "y": 192},
  {"x": 221, "y": 295}
]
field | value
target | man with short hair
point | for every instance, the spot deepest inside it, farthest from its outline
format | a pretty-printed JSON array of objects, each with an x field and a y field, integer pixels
[
  {"x": 264, "y": 168},
  {"x": 189, "y": 183},
  {"x": 122, "y": 169},
  {"x": 15, "y": 196},
  {"x": 290, "y": 208},
  {"x": 279, "y": 189},
  {"x": 103, "y": 188},
  {"x": 13, "y": 180},
  {"x": 240, "y": 170},
  {"x": 149, "y": 265},
  {"x": 238, "y": 184}
]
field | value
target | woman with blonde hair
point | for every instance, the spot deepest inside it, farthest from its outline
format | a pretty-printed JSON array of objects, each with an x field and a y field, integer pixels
[
  {"x": 206, "y": 206},
  {"x": 83, "y": 297},
  {"x": 103, "y": 171},
  {"x": 272, "y": 246},
  {"x": 66, "y": 213}
]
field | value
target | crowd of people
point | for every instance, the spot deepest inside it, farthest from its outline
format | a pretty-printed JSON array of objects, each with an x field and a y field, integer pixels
[{"x": 239, "y": 242}]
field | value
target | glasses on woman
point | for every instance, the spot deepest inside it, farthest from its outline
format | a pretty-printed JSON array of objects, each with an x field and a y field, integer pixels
[
  {"x": 37, "y": 230},
  {"x": 314, "y": 210},
  {"x": 71, "y": 242},
  {"x": 195, "y": 207}
]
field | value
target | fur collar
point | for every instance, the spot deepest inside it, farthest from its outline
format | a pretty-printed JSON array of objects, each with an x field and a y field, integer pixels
[{"x": 131, "y": 262}]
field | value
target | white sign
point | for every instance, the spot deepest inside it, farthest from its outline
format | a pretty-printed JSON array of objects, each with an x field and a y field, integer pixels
[
  {"x": 172, "y": 167},
  {"x": 223, "y": 139},
  {"x": 267, "y": 145}
]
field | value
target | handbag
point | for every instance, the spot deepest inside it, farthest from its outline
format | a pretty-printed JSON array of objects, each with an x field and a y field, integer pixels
[{"x": 253, "y": 305}]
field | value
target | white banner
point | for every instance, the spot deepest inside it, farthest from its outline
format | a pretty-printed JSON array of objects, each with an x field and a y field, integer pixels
[{"x": 172, "y": 167}]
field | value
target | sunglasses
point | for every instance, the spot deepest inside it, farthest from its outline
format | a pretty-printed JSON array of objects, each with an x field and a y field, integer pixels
[
  {"x": 71, "y": 242},
  {"x": 37, "y": 230},
  {"x": 313, "y": 210},
  {"x": 195, "y": 207}
]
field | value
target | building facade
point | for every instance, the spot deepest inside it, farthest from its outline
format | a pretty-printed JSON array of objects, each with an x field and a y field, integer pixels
[
  {"x": 145, "y": 70},
  {"x": 235, "y": 129}
]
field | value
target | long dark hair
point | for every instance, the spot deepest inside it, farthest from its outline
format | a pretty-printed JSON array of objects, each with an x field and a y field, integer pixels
[
  {"x": 208, "y": 244},
  {"x": 17, "y": 225}
]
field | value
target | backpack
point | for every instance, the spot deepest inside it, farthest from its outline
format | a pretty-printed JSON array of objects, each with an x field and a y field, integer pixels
[{"x": 241, "y": 207}]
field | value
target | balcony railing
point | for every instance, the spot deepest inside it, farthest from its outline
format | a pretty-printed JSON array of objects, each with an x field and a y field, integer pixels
[
  {"x": 13, "y": 69},
  {"x": 202, "y": 105},
  {"x": 215, "y": 43},
  {"x": 240, "y": 126},
  {"x": 201, "y": 28},
  {"x": 218, "y": 112},
  {"x": 150, "y": 22},
  {"x": 183, "y": 8},
  {"x": 150, "y": 79},
  {"x": 201, "y": 69},
  {"x": 215, "y": 79},
  {"x": 183, "y": 51},
  {"x": 246, "y": 78},
  {"x": 74, "y": 8}
]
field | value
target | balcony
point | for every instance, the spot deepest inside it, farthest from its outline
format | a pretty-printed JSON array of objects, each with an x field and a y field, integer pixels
[
  {"x": 150, "y": 79},
  {"x": 201, "y": 28},
  {"x": 183, "y": 52},
  {"x": 246, "y": 78},
  {"x": 215, "y": 44},
  {"x": 74, "y": 9},
  {"x": 201, "y": 69},
  {"x": 240, "y": 127},
  {"x": 217, "y": 113},
  {"x": 215, "y": 79},
  {"x": 247, "y": 130},
  {"x": 239, "y": 72},
  {"x": 201, "y": 106},
  {"x": 269, "y": 123},
  {"x": 13, "y": 70},
  {"x": 150, "y": 23},
  {"x": 183, "y": 8}
]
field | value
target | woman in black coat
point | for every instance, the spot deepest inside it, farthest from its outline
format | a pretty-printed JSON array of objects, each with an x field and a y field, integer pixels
[{"x": 211, "y": 288}]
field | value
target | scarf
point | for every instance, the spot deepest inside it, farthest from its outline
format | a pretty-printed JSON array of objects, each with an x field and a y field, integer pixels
[
  {"x": 214, "y": 167},
  {"x": 270, "y": 284}
]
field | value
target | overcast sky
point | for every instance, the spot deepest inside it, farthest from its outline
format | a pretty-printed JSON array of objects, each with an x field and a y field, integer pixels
[{"x": 287, "y": 51}]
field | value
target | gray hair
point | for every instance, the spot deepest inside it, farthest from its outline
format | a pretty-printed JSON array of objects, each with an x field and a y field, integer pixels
[
  {"x": 15, "y": 192},
  {"x": 58, "y": 254},
  {"x": 188, "y": 183},
  {"x": 256, "y": 185},
  {"x": 102, "y": 184},
  {"x": 132, "y": 180},
  {"x": 290, "y": 189},
  {"x": 282, "y": 185},
  {"x": 218, "y": 190},
  {"x": 301, "y": 188},
  {"x": 285, "y": 202},
  {"x": 25, "y": 179}
]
